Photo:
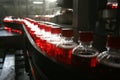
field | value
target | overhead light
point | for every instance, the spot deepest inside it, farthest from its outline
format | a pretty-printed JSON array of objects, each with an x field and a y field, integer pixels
[
  {"x": 37, "y": 2},
  {"x": 52, "y": 0}
]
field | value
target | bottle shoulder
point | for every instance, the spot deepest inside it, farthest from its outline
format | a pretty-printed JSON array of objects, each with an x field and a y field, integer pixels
[
  {"x": 109, "y": 58},
  {"x": 67, "y": 45},
  {"x": 85, "y": 51}
]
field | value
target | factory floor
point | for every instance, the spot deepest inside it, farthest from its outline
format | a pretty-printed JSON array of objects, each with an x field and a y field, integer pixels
[{"x": 9, "y": 67}]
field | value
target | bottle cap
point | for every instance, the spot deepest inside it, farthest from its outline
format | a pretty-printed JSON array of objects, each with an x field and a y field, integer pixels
[
  {"x": 113, "y": 41},
  {"x": 48, "y": 28},
  {"x": 67, "y": 32},
  {"x": 56, "y": 30},
  {"x": 35, "y": 23},
  {"x": 86, "y": 36},
  {"x": 41, "y": 25}
]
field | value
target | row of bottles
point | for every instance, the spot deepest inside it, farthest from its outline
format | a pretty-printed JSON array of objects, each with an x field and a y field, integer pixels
[
  {"x": 58, "y": 43},
  {"x": 12, "y": 19},
  {"x": 54, "y": 41}
]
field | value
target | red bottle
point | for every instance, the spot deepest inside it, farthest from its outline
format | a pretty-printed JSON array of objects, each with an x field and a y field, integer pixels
[
  {"x": 53, "y": 41},
  {"x": 109, "y": 61},
  {"x": 84, "y": 55},
  {"x": 64, "y": 48}
]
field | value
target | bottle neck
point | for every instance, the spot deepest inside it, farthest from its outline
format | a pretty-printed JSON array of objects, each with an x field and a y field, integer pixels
[
  {"x": 56, "y": 34},
  {"x": 86, "y": 44},
  {"x": 67, "y": 38}
]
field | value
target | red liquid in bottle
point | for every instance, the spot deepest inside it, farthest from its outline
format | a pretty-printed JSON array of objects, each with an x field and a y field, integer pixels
[
  {"x": 53, "y": 41},
  {"x": 84, "y": 55},
  {"x": 63, "y": 55},
  {"x": 63, "y": 50},
  {"x": 86, "y": 61}
]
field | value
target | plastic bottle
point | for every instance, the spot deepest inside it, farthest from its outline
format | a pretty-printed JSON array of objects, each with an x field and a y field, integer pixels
[
  {"x": 46, "y": 36},
  {"x": 109, "y": 60},
  {"x": 64, "y": 48},
  {"x": 84, "y": 55},
  {"x": 53, "y": 41}
]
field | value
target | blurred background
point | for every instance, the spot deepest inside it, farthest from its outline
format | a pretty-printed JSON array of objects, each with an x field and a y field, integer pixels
[
  {"x": 33, "y": 8},
  {"x": 27, "y": 8}
]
